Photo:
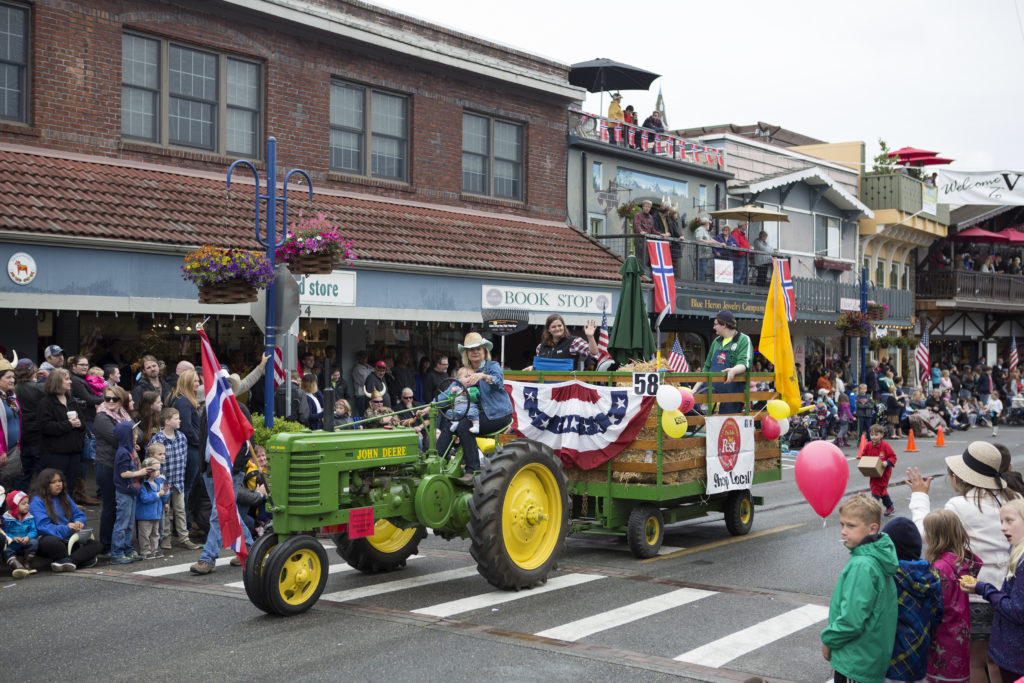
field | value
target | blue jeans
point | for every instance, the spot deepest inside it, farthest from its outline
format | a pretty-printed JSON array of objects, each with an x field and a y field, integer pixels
[
  {"x": 124, "y": 527},
  {"x": 214, "y": 541},
  {"x": 105, "y": 483},
  {"x": 191, "y": 481},
  {"x": 739, "y": 271},
  {"x": 15, "y": 549}
]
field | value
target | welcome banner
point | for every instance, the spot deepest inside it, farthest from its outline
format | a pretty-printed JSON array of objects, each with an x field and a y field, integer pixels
[{"x": 981, "y": 187}]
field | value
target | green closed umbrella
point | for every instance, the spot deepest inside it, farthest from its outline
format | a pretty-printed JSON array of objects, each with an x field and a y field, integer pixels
[{"x": 631, "y": 337}]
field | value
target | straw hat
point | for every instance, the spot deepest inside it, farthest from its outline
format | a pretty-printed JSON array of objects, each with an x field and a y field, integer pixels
[
  {"x": 236, "y": 383},
  {"x": 473, "y": 340},
  {"x": 978, "y": 466}
]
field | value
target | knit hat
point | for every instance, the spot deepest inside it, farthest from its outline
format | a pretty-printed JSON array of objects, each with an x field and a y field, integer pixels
[
  {"x": 905, "y": 537},
  {"x": 978, "y": 466},
  {"x": 13, "y": 498}
]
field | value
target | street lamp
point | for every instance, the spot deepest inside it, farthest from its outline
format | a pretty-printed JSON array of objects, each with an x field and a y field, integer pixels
[{"x": 271, "y": 242}]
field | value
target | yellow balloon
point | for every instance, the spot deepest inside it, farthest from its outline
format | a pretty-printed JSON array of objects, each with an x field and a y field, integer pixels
[
  {"x": 778, "y": 409},
  {"x": 674, "y": 423}
]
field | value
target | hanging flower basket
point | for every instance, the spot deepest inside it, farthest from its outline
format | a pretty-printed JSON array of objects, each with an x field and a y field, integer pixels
[
  {"x": 227, "y": 276},
  {"x": 854, "y": 333},
  {"x": 877, "y": 311},
  {"x": 855, "y": 324},
  {"x": 313, "y": 246}
]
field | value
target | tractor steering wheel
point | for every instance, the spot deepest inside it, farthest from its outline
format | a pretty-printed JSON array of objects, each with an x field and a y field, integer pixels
[{"x": 461, "y": 390}]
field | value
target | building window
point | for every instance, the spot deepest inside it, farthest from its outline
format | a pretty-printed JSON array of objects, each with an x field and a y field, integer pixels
[
  {"x": 13, "y": 63},
  {"x": 702, "y": 197},
  {"x": 894, "y": 276},
  {"x": 880, "y": 270},
  {"x": 906, "y": 277},
  {"x": 492, "y": 157},
  {"x": 770, "y": 227},
  {"x": 382, "y": 146},
  {"x": 595, "y": 173},
  {"x": 827, "y": 236},
  {"x": 178, "y": 95}
]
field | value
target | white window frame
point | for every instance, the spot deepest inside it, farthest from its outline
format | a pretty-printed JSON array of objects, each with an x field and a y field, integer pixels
[{"x": 367, "y": 133}]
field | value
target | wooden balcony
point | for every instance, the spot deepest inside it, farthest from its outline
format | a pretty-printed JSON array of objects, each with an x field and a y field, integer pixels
[
  {"x": 968, "y": 290},
  {"x": 898, "y": 191}
]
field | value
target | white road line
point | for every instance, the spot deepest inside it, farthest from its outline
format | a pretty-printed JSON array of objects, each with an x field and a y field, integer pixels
[
  {"x": 447, "y": 609},
  {"x": 177, "y": 568},
  {"x": 581, "y": 628},
  {"x": 719, "y": 652},
  {"x": 333, "y": 569},
  {"x": 402, "y": 584}
]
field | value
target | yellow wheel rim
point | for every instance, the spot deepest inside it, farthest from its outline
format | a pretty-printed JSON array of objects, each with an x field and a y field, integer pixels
[
  {"x": 531, "y": 516},
  {"x": 652, "y": 530},
  {"x": 745, "y": 510},
  {"x": 388, "y": 538},
  {"x": 299, "y": 577}
]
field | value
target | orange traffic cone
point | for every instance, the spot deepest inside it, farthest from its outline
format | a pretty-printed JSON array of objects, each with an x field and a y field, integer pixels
[
  {"x": 911, "y": 444},
  {"x": 863, "y": 443},
  {"x": 940, "y": 438}
]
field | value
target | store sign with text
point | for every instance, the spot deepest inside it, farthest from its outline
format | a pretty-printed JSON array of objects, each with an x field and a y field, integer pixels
[
  {"x": 713, "y": 304},
  {"x": 551, "y": 300},
  {"x": 336, "y": 289}
]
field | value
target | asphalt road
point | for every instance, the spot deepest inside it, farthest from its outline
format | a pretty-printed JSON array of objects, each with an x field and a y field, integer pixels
[{"x": 711, "y": 607}]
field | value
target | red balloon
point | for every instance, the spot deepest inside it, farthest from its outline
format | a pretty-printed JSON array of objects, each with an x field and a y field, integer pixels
[
  {"x": 687, "y": 404},
  {"x": 821, "y": 475},
  {"x": 770, "y": 428}
]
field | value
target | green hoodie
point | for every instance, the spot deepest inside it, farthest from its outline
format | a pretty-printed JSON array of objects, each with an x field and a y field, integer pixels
[{"x": 862, "y": 615}]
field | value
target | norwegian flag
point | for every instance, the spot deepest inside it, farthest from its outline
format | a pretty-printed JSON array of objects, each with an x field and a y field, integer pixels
[
  {"x": 664, "y": 276},
  {"x": 695, "y": 151},
  {"x": 604, "y": 130},
  {"x": 676, "y": 359},
  {"x": 718, "y": 157},
  {"x": 644, "y": 140},
  {"x": 787, "y": 288},
  {"x": 668, "y": 146},
  {"x": 1014, "y": 358},
  {"x": 707, "y": 155},
  {"x": 924, "y": 365},
  {"x": 228, "y": 431},
  {"x": 279, "y": 376},
  {"x": 618, "y": 132},
  {"x": 602, "y": 338},
  {"x": 631, "y": 133}
]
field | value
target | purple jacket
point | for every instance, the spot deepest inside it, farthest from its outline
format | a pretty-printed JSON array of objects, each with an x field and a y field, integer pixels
[{"x": 1006, "y": 644}]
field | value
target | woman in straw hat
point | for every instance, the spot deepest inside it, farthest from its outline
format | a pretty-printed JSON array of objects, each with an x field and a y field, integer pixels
[
  {"x": 495, "y": 405},
  {"x": 981, "y": 491}
]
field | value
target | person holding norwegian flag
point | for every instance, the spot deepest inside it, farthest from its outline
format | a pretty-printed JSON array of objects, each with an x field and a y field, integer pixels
[{"x": 228, "y": 431}]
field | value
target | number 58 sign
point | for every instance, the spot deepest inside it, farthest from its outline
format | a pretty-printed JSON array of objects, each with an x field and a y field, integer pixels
[{"x": 646, "y": 383}]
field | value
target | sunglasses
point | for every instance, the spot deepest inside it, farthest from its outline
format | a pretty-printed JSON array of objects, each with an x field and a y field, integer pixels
[{"x": 111, "y": 399}]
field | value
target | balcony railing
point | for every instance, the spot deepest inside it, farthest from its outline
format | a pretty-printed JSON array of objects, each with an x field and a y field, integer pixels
[
  {"x": 636, "y": 138},
  {"x": 899, "y": 191},
  {"x": 966, "y": 285},
  {"x": 724, "y": 269}
]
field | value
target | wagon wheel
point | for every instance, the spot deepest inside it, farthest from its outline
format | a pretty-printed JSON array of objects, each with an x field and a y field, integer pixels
[
  {"x": 646, "y": 530},
  {"x": 739, "y": 513},
  {"x": 387, "y": 549},
  {"x": 519, "y": 515},
  {"x": 252, "y": 572},
  {"x": 294, "y": 575}
]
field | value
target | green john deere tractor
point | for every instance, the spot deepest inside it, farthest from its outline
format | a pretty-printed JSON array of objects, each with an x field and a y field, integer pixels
[{"x": 378, "y": 492}]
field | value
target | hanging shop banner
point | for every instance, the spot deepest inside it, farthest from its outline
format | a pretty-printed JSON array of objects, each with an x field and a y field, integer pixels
[
  {"x": 336, "y": 289},
  {"x": 982, "y": 187},
  {"x": 730, "y": 452},
  {"x": 929, "y": 199}
]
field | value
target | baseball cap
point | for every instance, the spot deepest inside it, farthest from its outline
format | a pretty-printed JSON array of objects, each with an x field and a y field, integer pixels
[
  {"x": 52, "y": 350},
  {"x": 380, "y": 364},
  {"x": 725, "y": 316}
]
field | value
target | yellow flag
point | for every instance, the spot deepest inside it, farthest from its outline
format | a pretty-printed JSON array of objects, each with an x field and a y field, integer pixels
[{"x": 776, "y": 344}]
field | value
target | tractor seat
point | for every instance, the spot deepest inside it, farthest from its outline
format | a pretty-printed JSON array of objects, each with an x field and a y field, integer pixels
[{"x": 488, "y": 442}]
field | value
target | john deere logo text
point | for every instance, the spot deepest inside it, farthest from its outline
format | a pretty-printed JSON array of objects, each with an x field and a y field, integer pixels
[{"x": 729, "y": 444}]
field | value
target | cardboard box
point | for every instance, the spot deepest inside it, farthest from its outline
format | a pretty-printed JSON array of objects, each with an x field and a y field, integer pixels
[{"x": 871, "y": 466}]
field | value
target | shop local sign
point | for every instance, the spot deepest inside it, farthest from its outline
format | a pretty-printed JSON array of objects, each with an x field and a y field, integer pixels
[
  {"x": 335, "y": 289},
  {"x": 536, "y": 299},
  {"x": 730, "y": 453}
]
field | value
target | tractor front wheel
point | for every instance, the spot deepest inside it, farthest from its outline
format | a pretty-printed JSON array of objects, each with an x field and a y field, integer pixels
[
  {"x": 646, "y": 530},
  {"x": 294, "y": 575},
  {"x": 519, "y": 516},
  {"x": 388, "y": 548},
  {"x": 252, "y": 573},
  {"x": 739, "y": 513}
]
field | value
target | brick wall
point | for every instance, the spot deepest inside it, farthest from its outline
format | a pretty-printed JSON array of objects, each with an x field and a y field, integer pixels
[{"x": 76, "y": 83}]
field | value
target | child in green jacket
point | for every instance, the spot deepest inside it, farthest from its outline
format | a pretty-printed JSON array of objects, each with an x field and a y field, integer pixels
[{"x": 862, "y": 615}]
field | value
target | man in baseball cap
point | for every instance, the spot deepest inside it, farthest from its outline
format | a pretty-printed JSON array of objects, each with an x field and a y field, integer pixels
[
  {"x": 53, "y": 356},
  {"x": 730, "y": 353}
]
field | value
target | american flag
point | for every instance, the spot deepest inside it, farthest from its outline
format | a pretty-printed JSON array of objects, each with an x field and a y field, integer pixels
[
  {"x": 922, "y": 358},
  {"x": 602, "y": 338},
  {"x": 1014, "y": 358},
  {"x": 228, "y": 431},
  {"x": 279, "y": 375},
  {"x": 676, "y": 359}
]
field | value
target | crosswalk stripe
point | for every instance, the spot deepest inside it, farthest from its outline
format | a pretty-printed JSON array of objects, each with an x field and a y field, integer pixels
[
  {"x": 177, "y": 568},
  {"x": 333, "y": 569},
  {"x": 401, "y": 584},
  {"x": 447, "y": 609},
  {"x": 581, "y": 628},
  {"x": 719, "y": 652}
]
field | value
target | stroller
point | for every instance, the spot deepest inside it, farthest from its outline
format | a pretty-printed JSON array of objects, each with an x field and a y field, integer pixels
[
  {"x": 1016, "y": 414},
  {"x": 799, "y": 434}
]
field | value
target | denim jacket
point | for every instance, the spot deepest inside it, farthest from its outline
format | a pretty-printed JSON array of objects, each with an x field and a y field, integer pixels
[{"x": 494, "y": 400}]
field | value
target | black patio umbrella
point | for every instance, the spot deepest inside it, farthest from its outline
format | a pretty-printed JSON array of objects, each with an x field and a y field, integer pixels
[{"x": 602, "y": 74}]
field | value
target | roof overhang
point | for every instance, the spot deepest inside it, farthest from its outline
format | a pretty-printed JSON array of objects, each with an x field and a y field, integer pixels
[{"x": 811, "y": 176}]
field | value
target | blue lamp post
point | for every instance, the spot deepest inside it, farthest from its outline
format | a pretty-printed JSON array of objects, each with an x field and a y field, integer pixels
[
  {"x": 271, "y": 241},
  {"x": 864, "y": 341}
]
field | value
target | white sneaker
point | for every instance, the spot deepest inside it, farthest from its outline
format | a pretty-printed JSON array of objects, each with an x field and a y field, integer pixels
[
  {"x": 474, "y": 428},
  {"x": 995, "y": 431}
]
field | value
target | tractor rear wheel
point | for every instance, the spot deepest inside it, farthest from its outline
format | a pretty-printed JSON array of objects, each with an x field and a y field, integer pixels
[
  {"x": 294, "y": 575},
  {"x": 252, "y": 573},
  {"x": 646, "y": 530},
  {"x": 388, "y": 548},
  {"x": 519, "y": 515}
]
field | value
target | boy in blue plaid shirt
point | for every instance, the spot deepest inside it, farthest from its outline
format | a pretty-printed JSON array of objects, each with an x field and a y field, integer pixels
[{"x": 176, "y": 445}]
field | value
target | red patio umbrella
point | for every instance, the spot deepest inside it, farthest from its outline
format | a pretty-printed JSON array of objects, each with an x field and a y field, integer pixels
[
  {"x": 979, "y": 235},
  {"x": 927, "y": 161},
  {"x": 912, "y": 152},
  {"x": 1015, "y": 236}
]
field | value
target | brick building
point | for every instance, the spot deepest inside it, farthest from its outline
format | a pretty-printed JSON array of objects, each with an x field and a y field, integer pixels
[{"x": 442, "y": 157}]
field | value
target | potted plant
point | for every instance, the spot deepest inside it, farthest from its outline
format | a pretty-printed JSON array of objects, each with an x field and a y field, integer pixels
[
  {"x": 877, "y": 311},
  {"x": 227, "y": 276},
  {"x": 314, "y": 246},
  {"x": 855, "y": 324}
]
